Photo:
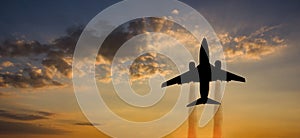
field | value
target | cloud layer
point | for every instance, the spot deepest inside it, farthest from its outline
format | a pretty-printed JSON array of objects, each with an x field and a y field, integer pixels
[
  {"x": 36, "y": 115},
  {"x": 26, "y": 122},
  {"x": 30, "y": 64},
  {"x": 7, "y": 127}
]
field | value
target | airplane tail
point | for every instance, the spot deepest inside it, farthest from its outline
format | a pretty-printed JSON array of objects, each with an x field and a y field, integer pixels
[{"x": 203, "y": 101}]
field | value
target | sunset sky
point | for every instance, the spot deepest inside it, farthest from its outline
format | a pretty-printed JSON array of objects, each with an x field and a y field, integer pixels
[{"x": 259, "y": 39}]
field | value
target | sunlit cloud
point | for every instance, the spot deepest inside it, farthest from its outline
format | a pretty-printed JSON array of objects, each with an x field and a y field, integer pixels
[
  {"x": 6, "y": 64},
  {"x": 148, "y": 64},
  {"x": 175, "y": 11},
  {"x": 255, "y": 46}
]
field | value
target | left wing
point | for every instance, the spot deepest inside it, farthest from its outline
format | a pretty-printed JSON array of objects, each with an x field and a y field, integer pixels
[{"x": 186, "y": 77}]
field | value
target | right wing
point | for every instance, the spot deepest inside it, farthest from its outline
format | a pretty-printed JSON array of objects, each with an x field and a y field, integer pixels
[
  {"x": 219, "y": 74},
  {"x": 186, "y": 77},
  {"x": 230, "y": 77}
]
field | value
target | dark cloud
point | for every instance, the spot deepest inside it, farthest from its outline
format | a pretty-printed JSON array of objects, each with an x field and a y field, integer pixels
[
  {"x": 29, "y": 64},
  {"x": 27, "y": 77},
  {"x": 56, "y": 60},
  {"x": 138, "y": 26},
  {"x": 86, "y": 124},
  {"x": 35, "y": 115},
  {"x": 7, "y": 127},
  {"x": 14, "y": 48},
  {"x": 27, "y": 121},
  {"x": 44, "y": 113},
  {"x": 67, "y": 44}
]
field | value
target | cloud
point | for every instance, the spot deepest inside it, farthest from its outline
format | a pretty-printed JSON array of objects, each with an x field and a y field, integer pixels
[
  {"x": 255, "y": 46},
  {"x": 86, "y": 124},
  {"x": 175, "y": 11},
  {"x": 7, "y": 127},
  {"x": 103, "y": 69},
  {"x": 27, "y": 77},
  {"x": 30, "y": 64},
  {"x": 148, "y": 64},
  {"x": 36, "y": 115},
  {"x": 7, "y": 64},
  {"x": 57, "y": 61},
  {"x": 278, "y": 40},
  {"x": 225, "y": 38},
  {"x": 44, "y": 113},
  {"x": 15, "y": 48},
  {"x": 29, "y": 121}
]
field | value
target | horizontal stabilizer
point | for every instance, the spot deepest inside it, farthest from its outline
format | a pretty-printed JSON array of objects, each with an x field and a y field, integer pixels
[
  {"x": 202, "y": 101},
  {"x": 210, "y": 101},
  {"x": 164, "y": 84}
]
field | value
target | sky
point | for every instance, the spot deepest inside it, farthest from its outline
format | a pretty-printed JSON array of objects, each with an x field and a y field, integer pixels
[{"x": 37, "y": 41}]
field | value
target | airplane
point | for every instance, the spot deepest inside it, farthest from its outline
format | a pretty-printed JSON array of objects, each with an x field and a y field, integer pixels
[{"x": 203, "y": 74}]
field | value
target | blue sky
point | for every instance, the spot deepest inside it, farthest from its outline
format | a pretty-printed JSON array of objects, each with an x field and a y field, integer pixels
[{"x": 33, "y": 18}]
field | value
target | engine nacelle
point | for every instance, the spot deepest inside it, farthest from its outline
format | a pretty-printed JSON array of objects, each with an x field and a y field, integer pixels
[
  {"x": 218, "y": 64},
  {"x": 192, "y": 65}
]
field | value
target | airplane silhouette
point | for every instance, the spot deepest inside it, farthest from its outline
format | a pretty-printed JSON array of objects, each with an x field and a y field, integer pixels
[{"x": 204, "y": 71}]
